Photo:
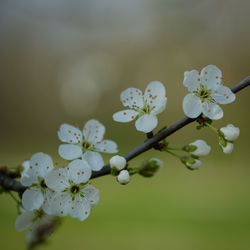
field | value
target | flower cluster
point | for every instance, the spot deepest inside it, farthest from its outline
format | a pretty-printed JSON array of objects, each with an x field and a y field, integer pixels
[{"x": 56, "y": 192}]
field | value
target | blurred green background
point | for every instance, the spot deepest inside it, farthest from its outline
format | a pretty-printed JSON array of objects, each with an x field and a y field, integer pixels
[{"x": 68, "y": 61}]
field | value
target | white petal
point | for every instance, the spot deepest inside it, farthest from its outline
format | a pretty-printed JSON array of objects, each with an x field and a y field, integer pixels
[
  {"x": 228, "y": 149},
  {"x": 106, "y": 146},
  {"x": 80, "y": 209},
  {"x": 70, "y": 152},
  {"x": 192, "y": 106},
  {"x": 24, "y": 220},
  {"x": 123, "y": 177},
  {"x": 58, "y": 179},
  {"x": 94, "y": 160},
  {"x": 146, "y": 123},
  {"x": 32, "y": 198},
  {"x": 223, "y": 95},
  {"x": 60, "y": 204},
  {"x": 91, "y": 194},
  {"x": 132, "y": 97},
  {"x": 79, "y": 171},
  {"x": 159, "y": 107},
  {"x": 211, "y": 76},
  {"x": 231, "y": 133},
  {"x": 203, "y": 148},
  {"x": 70, "y": 134},
  {"x": 195, "y": 165},
  {"x": 212, "y": 110},
  {"x": 192, "y": 80},
  {"x": 155, "y": 95},
  {"x": 93, "y": 131},
  {"x": 125, "y": 115},
  {"x": 118, "y": 162}
]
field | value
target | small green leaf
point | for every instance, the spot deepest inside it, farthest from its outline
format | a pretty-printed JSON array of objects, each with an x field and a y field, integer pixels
[{"x": 114, "y": 172}]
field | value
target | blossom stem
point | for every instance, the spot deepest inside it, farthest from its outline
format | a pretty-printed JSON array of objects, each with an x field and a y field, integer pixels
[
  {"x": 14, "y": 198},
  {"x": 211, "y": 127},
  {"x": 172, "y": 153}
]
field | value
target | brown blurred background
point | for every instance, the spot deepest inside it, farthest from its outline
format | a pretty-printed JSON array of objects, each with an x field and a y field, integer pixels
[{"x": 68, "y": 61}]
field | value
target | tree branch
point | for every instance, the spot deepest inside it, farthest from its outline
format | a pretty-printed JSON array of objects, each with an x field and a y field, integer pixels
[
  {"x": 9, "y": 184},
  {"x": 151, "y": 142}
]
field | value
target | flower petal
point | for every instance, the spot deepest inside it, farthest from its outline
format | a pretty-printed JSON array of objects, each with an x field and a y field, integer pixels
[
  {"x": 155, "y": 94},
  {"x": 39, "y": 165},
  {"x": 58, "y": 179},
  {"x": 192, "y": 80},
  {"x": 203, "y": 148},
  {"x": 80, "y": 208},
  {"x": 69, "y": 151},
  {"x": 211, "y": 76},
  {"x": 125, "y": 115},
  {"x": 212, "y": 110},
  {"x": 159, "y": 107},
  {"x": 79, "y": 171},
  {"x": 132, "y": 97},
  {"x": 223, "y": 95},
  {"x": 70, "y": 134},
  {"x": 192, "y": 106},
  {"x": 146, "y": 123},
  {"x": 93, "y": 131},
  {"x": 91, "y": 194},
  {"x": 24, "y": 220},
  {"x": 94, "y": 159},
  {"x": 106, "y": 146},
  {"x": 32, "y": 198},
  {"x": 60, "y": 204}
]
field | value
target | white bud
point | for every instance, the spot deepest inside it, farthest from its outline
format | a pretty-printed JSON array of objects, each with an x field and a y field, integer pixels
[
  {"x": 123, "y": 178},
  {"x": 231, "y": 133},
  {"x": 228, "y": 149},
  {"x": 118, "y": 162},
  {"x": 158, "y": 161},
  {"x": 203, "y": 148},
  {"x": 195, "y": 165}
]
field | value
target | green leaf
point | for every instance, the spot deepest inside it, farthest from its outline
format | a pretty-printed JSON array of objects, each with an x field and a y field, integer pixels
[{"x": 114, "y": 172}]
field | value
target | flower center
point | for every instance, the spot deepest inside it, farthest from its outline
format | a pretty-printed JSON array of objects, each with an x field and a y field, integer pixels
[
  {"x": 43, "y": 184},
  {"x": 39, "y": 213},
  {"x": 74, "y": 189},
  {"x": 86, "y": 145}
]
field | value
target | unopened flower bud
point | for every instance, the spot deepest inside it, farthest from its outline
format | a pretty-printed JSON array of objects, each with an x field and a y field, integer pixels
[
  {"x": 118, "y": 162},
  {"x": 123, "y": 178},
  {"x": 231, "y": 133},
  {"x": 150, "y": 167},
  {"x": 228, "y": 149},
  {"x": 201, "y": 148},
  {"x": 196, "y": 165}
]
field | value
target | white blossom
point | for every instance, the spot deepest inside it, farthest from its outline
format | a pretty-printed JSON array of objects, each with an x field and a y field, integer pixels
[
  {"x": 207, "y": 91},
  {"x": 196, "y": 165},
  {"x": 202, "y": 149},
  {"x": 86, "y": 144},
  {"x": 32, "y": 177},
  {"x": 73, "y": 195},
  {"x": 33, "y": 221},
  {"x": 118, "y": 162},
  {"x": 228, "y": 149},
  {"x": 143, "y": 106},
  {"x": 158, "y": 161},
  {"x": 123, "y": 177},
  {"x": 231, "y": 133}
]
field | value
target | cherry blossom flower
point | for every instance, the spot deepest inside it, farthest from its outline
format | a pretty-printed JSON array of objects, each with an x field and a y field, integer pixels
[
  {"x": 33, "y": 220},
  {"x": 118, "y": 162},
  {"x": 143, "y": 106},
  {"x": 202, "y": 148},
  {"x": 123, "y": 177},
  {"x": 73, "y": 195},
  {"x": 32, "y": 177},
  {"x": 231, "y": 133},
  {"x": 86, "y": 144},
  {"x": 207, "y": 91}
]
